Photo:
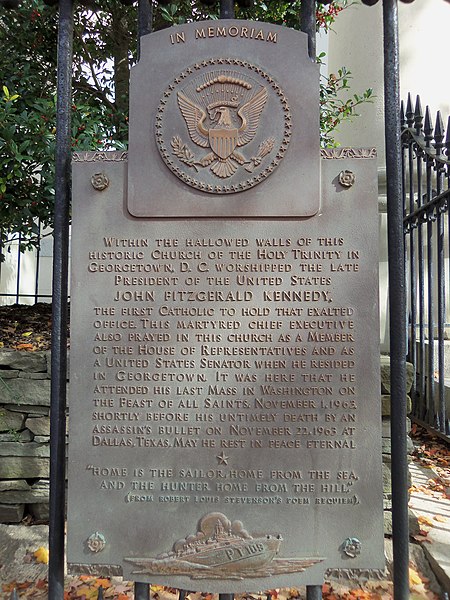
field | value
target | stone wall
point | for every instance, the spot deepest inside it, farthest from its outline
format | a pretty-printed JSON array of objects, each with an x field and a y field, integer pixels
[
  {"x": 386, "y": 439},
  {"x": 24, "y": 435}
]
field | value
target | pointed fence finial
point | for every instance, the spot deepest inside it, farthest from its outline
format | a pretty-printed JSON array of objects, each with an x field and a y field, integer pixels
[
  {"x": 439, "y": 134},
  {"x": 428, "y": 127},
  {"x": 447, "y": 141},
  {"x": 409, "y": 112},
  {"x": 418, "y": 116},
  {"x": 100, "y": 593},
  {"x": 14, "y": 595}
]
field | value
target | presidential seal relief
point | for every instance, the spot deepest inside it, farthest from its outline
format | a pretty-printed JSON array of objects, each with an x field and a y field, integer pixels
[
  {"x": 238, "y": 116},
  {"x": 222, "y": 549}
]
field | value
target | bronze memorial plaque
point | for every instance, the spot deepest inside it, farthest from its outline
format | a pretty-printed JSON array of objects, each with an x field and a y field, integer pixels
[{"x": 225, "y": 428}]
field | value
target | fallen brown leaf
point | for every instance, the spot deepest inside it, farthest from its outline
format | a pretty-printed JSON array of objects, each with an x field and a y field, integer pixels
[
  {"x": 422, "y": 519},
  {"x": 440, "y": 518}
]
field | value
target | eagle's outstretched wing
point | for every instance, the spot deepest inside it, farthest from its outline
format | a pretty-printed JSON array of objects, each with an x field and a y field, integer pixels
[
  {"x": 194, "y": 116},
  {"x": 250, "y": 113}
]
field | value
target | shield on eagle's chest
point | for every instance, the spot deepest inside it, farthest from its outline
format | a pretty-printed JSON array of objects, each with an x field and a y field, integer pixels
[{"x": 223, "y": 141}]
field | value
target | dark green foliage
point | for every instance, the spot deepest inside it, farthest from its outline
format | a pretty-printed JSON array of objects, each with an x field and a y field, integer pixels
[{"x": 104, "y": 50}]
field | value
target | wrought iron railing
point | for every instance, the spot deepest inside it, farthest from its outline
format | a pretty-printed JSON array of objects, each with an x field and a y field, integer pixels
[
  {"x": 426, "y": 195},
  {"x": 21, "y": 273}
]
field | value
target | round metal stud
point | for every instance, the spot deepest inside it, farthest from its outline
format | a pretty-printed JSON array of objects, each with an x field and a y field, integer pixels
[
  {"x": 369, "y": 2},
  {"x": 96, "y": 542},
  {"x": 99, "y": 181},
  {"x": 351, "y": 547},
  {"x": 347, "y": 178}
]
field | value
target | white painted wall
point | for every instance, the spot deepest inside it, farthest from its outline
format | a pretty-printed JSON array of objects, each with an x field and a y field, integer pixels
[
  {"x": 424, "y": 31},
  {"x": 357, "y": 43}
]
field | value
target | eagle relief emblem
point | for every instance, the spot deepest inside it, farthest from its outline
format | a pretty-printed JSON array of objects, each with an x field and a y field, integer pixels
[{"x": 223, "y": 130}]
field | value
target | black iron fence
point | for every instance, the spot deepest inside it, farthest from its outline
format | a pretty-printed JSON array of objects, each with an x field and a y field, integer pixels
[
  {"x": 426, "y": 195},
  {"x": 24, "y": 275}
]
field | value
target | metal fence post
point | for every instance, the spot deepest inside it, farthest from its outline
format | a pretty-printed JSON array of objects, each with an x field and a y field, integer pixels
[
  {"x": 145, "y": 20},
  {"x": 141, "y": 591},
  {"x": 59, "y": 320},
  {"x": 308, "y": 26},
  {"x": 227, "y": 9},
  {"x": 397, "y": 301},
  {"x": 313, "y": 592}
]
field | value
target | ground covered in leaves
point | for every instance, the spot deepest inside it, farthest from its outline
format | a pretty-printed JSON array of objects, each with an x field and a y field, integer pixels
[
  {"x": 26, "y": 327},
  {"x": 87, "y": 587},
  {"x": 433, "y": 453}
]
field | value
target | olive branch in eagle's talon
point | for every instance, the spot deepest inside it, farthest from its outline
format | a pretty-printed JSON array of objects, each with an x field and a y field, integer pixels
[
  {"x": 183, "y": 153},
  {"x": 263, "y": 150}
]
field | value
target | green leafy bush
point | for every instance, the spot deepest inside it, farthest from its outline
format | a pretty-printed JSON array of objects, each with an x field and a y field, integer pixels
[{"x": 104, "y": 50}]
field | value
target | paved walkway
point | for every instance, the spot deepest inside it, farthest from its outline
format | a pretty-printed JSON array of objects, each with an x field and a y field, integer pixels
[{"x": 435, "y": 510}]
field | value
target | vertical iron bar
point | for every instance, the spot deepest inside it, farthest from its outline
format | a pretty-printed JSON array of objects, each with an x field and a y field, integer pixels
[
  {"x": 145, "y": 25},
  {"x": 412, "y": 272},
  {"x": 428, "y": 136},
  {"x": 313, "y": 592},
  {"x": 397, "y": 301},
  {"x": 38, "y": 262},
  {"x": 59, "y": 318},
  {"x": 19, "y": 262},
  {"x": 407, "y": 232},
  {"x": 447, "y": 155},
  {"x": 308, "y": 25},
  {"x": 182, "y": 594},
  {"x": 440, "y": 413},
  {"x": 145, "y": 20},
  {"x": 141, "y": 591},
  {"x": 226, "y": 596},
  {"x": 2, "y": 247},
  {"x": 431, "y": 413},
  {"x": 438, "y": 136},
  {"x": 227, "y": 9},
  {"x": 409, "y": 229},
  {"x": 422, "y": 376},
  {"x": 420, "y": 355}
]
